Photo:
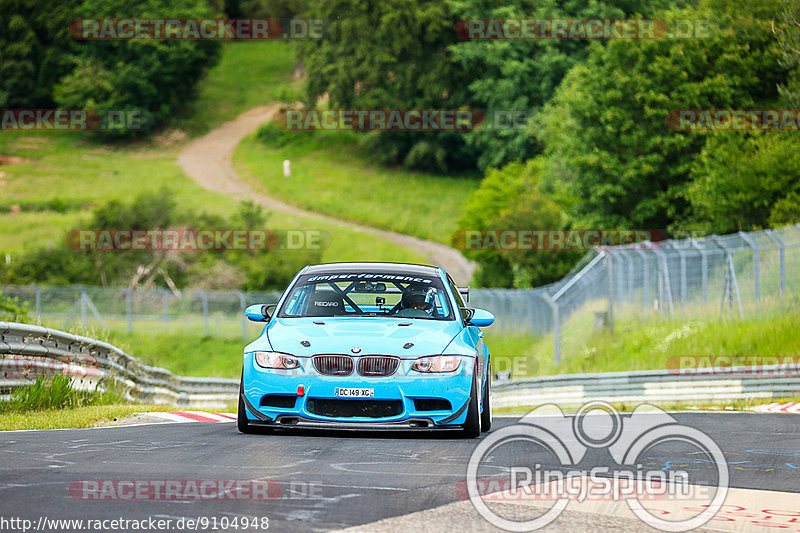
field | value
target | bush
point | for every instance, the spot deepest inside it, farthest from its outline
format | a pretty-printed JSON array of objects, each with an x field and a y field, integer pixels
[
  {"x": 153, "y": 76},
  {"x": 11, "y": 310},
  {"x": 218, "y": 269},
  {"x": 55, "y": 393}
]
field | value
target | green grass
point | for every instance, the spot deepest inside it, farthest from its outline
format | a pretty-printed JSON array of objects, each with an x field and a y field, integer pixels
[
  {"x": 330, "y": 175},
  {"x": 64, "y": 166},
  {"x": 250, "y": 73},
  {"x": 186, "y": 354},
  {"x": 55, "y": 393},
  {"x": 70, "y": 168},
  {"x": 76, "y": 417},
  {"x": 648, "y": 342}
]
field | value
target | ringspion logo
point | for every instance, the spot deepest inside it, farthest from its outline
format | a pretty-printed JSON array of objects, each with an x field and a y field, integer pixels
[{"x": 564, "y": 441}]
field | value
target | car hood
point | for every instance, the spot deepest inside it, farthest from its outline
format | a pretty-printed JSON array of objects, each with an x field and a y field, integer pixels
[{"x": 372, "y": 335}]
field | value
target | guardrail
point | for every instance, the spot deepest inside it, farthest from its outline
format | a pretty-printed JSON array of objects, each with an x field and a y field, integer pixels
[
  {"x": 654, "y": 386},
  {"x": 29, "y": 351}
]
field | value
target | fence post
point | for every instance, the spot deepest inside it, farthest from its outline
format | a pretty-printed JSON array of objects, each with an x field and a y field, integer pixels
[
  {"x": 683, "y": 278},
  {"x": 84, "y": 313},
  {"x": 165, "y": 305},
  {"x": 556, "y": 328},
  {"x": 38, "y": 293},
  {"x": 631, "y": 269},
  {"x": 750, "y": 242},
  {"x": 243, "y": 304},
  {"x": 645, "y": 279},
  {"x": 610, "y": 270},
  {"x": 703, "y": 268},
  {"x": 782, "y": 256},
  {"x": 666, "y": 284},
  {"x": 129, "y": 308},
  {"x": 204, "y": 296}
]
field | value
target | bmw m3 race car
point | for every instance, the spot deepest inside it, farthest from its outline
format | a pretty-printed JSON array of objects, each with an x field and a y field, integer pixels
[{"x": 368, "y": 346}]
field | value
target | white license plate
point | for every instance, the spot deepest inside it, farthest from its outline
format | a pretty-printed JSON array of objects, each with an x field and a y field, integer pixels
[{"x": 344, "y": 392}]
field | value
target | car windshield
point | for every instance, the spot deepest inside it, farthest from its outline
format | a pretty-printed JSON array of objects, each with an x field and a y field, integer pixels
[{"x": 368, "y": 294}]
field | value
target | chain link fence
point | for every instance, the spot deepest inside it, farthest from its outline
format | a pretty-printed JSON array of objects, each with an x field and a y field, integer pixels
[{"x": 731, "y": 273}]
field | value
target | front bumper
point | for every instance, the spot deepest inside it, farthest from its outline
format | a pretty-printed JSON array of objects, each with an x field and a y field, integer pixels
[{"x": 402, "y": 388}]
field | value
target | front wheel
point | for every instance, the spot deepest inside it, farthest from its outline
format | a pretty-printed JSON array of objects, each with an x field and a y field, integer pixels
[
  {"x": 486, "y": 415},
  {"x": 472, "y": 425},
  {"x": 242, "y": 423}
]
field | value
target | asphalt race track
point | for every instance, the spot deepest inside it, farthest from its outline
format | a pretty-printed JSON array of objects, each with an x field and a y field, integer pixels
[{"x": 333, "y": 480}]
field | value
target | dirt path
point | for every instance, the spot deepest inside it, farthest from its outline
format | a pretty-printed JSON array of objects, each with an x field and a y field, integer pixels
[{"x": 208, "y": 160}]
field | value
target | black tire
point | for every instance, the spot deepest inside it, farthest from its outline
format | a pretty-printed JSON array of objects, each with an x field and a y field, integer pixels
[
  {"x": 486, "y": 415},
  {"x": 242, "y": 423},
  {"x": 472, "y": 425}
]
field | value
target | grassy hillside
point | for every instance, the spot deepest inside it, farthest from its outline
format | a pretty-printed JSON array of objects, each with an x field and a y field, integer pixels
[
  {"x": 331, "y": 175},
  {"x": 647, "y": 342},
  {"x": 250, "y": 73},
  {"x": 55, "y": 178}
]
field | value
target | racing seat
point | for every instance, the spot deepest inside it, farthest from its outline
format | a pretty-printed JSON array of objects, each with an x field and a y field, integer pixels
[{"x": 326, "y": 303}]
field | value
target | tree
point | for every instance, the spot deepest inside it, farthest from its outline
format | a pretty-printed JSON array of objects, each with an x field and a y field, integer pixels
[
  {"x": 789, "y": 41},
  {"x": 511, "y": 198},
  {"x": 153, "y": 76},
  {"x": 34, "y": 39},
  {"x": 521, "y": 75},
  {"x": 745, "y": 182},
  {"x": 390, "y": 55},
  {"x": 611, "y": 157}
]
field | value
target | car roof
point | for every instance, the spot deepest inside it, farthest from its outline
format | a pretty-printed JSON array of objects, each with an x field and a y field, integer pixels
[{"x": 376, "y": 267}]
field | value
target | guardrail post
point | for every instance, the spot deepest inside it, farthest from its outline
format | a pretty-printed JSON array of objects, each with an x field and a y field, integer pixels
[{"x": 782, "y": 257}]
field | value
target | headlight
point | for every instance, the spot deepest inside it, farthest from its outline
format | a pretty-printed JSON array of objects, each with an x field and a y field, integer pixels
[
  {"x": 437, "y": 363},
  {"x": 276, "y": 360}
]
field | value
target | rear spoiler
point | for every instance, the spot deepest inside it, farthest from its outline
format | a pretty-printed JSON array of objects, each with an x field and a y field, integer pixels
[{"x": 464, "y": 291}]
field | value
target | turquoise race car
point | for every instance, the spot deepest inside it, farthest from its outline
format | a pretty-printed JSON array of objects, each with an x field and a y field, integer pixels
[{"x": 368, "y": 346}]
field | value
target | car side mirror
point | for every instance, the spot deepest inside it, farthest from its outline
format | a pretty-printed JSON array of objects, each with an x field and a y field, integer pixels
[
  {"x": 480, "y": 318},
  {"x": 260, "y": 312}
]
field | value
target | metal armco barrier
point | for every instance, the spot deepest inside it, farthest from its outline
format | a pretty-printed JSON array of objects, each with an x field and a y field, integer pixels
[
  {"x": 30, "y": 351},
  {"x": 654, "y": 386}
]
